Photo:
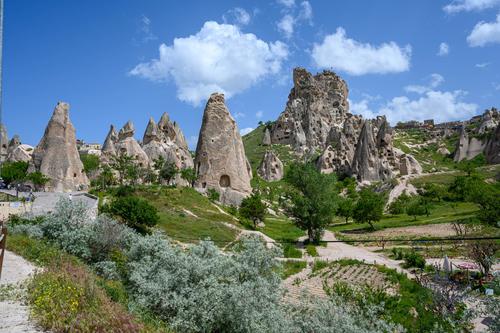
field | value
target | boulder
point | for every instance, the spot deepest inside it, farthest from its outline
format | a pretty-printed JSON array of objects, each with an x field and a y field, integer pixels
[
  {"x": 127, "y": 145},
  {"x": 56, "y": 156},
  {"x": 220, "y": 161},
  {"x": 17, "y": 151},
  {"x": 443, "y": 151},
  {"x": 271, "y": 168},
  {"x": 315, "y": 104}
]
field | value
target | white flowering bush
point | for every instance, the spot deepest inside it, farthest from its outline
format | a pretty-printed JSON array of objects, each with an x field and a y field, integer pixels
[{"x": 199, "y": 289}]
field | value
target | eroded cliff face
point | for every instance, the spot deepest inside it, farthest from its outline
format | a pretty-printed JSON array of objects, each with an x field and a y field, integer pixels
[
  {"x": 126, "y": 144},
  {"x": 271, "y": 168},
  {"x": 220, "y": 160},
  {"x": 17, "y": 151},
  {"x": 56, "y": 156},
  {"x": 315, "y": 104}
]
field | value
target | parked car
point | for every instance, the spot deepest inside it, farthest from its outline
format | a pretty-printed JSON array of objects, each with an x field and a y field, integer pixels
[
  {"x": 3, "y": 186},
  {"x": 24, "y": 188}
]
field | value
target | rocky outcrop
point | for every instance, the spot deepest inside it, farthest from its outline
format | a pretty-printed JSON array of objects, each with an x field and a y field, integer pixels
[
  {"x": 489, "y": 121},
  {"x": 220, "y": 161},
  {"x": 408, "y": 165},
  {"x": 4, "y": 142},
  {"x": 271, "y": 168},
  {"x": 266, "y": 139},
  {"x": 492, "y": 150},
  {"x": 315, "y": 104},
  {"x": 126, "y": 144},
  {"x": 108, "y": 149},
  {"x": 56, "y": 156},
  {"x": 17, "y": 151},
  {"x": 443, "y": 151},
  {"x": 166, "y": 140},
  {"x": 366, "y": 165},
  {"x": 467, "y": 147}
]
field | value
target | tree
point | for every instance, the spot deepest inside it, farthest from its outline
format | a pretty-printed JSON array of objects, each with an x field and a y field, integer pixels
[
  {"x": 416, "y": 208},
  {"x": 125, "y": 166},
  {"x": 253, "y": 209},
  {"x": 105, "y": 178},
  {"x": 369, "y": 208},
  {"x": 189, "y": 175},
  {"x": 483, "y": 253},
  {"x": 14, "y": 172},
  {"x": 168, "y": 171},
  {"x": 346, "y": 208},
  {"x": 434, "y": 191},
  {"x": 136, "y": 212},
  {"x": 159, "y": 163},
  {"x": 398, "y": 206},
  {"x": 38, "y": 179},
  {"x": 313, "y": 196}
]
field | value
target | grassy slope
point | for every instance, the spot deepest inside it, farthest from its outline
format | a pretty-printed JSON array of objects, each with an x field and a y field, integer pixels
[
  {"x": 442, "y": 213},
  {"x": 178, "y": 224}
]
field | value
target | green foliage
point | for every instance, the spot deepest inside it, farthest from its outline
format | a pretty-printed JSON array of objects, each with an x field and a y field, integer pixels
[
  {"x": 38, "y": 179},
  {"x": 253, "y": 208},
  {"x": 168, "y": 172},
  {"x": 105, "y": 178},
  {"x": 290, "y": 251},
  {"x": 189, "y": 175},
  {"x": 414, "y": 259},
  {"x": 399, "y": 205},
  {"x": 470, "y": 166},
  {"x": 311, "y": 250},
  {"x": 136, "y": 212},
  {"x": 319, "y": 265},
  {"x": 90, "y": 163},
  {"x": 213, "y": 195},
  {"x": 292, "y": 267},
  {"x": 126, "y": 168},
  {"x": 434, "y": 191},
  {"x": 418, "y": 206},
  {"x": 314, "y": 198},
  {"x": 346, "y": 207},
  {"x": 369, "y": 208},
  {"x": 14, "y": 172}
]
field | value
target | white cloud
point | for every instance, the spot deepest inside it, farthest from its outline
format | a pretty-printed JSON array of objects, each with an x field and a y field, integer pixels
[
  {"x": 245, "y": 131},
  {"x": 362, "y": 108},
  {"x": 192, "y": 141},
  {"x": 238, "y": 115},
  {"x": 287, "y": 3},
  {"x": 482, "y": 65},
  {"x": 217, "y": 58},
  {"x": 444, "y": 49},
  {"x": 286, "y": 25},
  {"x": 356, "y": 58},
  {"x": 484, "y": 33},
  {"x": 470, "y": 5},
  {"x": 259, "y": 114},
  {"x": 438, "y": 105},
  {"x": 306, "y": 12},
  {"x": 144, "y": 32},
  {"x": 237, "y": 16},
  {"x": 434, "y": 81}
]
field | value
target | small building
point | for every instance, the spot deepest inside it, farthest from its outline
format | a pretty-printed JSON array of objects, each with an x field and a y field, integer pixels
[
  {"x": 10, "y": 204},
  {"x": 429, "y": 123}
]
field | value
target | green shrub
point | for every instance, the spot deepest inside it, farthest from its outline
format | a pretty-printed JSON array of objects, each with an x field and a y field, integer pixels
[
  {"x": 414, "y": 259},
  {"x": 292, "y": 267},
  {"x": 319, "y": 265},
  {"x": 398, "y": 253},
  {"x": 136, "y": 212},
  {"x": 213, "y": 195},
  {"x": 311, "y": 250}
]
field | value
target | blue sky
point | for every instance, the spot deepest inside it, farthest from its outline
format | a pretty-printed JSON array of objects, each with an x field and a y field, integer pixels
[{"x": 118, "y": 60}]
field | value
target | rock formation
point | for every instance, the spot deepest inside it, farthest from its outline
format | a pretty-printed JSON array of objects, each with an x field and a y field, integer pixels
[
  {"x": 266, "y": 140},
  {"x": 126, "y": 144},
  {"x": 467, "y": 147},
  {"x": 443, "y": 151},
  {"x": 220, "y": 161},
  {"x": 166, "y": 139},
  {"x": 4, "y": 142},
  {"x": 56, "y": 156},
  {"x": 271, "y": 168},
  {"x": 315, "y": 104},
  {"x": 108, "y": 149},
  {"x": 492, "y": 150},
  {"x": 17, "y": 151}
]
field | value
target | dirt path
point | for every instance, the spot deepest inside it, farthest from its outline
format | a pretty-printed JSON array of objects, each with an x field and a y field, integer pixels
[
  {"x": 14, "y": 316},
  {"x": 434, "y": 230}
]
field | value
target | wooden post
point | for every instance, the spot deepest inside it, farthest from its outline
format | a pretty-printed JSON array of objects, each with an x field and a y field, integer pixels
[{"x": 3, "y": 242}]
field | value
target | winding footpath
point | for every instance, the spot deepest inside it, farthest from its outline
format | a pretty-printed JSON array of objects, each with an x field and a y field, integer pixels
[{"x": 14, "y": 316}]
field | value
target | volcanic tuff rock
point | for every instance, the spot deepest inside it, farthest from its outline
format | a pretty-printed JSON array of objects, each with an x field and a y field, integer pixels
[
  {"x": 266, "y": 140},
  {"x": 4, "y": 142},
  {"x": 17, "y": 151},
  {"x": 108, "y": 149},
  {"x": 271, "y": 168},
  {"x": 165, "y": 139},
  {"x": 315, "y": 104},
  {"x": 56, "y": 156},
  {"x": 492, "y": 150},
  {"x": 220, "y": 161},
  {"x": 126, "y": 144}
]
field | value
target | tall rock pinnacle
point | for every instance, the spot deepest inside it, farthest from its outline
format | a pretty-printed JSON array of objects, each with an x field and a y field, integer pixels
[
  {"x": 220, "y": 161},
  {"x": 56, "y": 156}
]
